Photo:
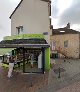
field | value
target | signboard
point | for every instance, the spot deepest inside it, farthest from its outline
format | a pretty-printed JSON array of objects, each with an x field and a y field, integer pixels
[{"x": 45, "y": 33}]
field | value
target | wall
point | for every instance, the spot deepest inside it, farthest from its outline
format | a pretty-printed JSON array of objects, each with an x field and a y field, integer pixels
[
  {"x": 33, "y": 15},
  {"x": 73, "y": 44}
]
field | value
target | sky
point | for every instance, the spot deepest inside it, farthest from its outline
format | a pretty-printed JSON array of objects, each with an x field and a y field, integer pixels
[
  {"x": 63, "y": 11},
  {"x": 6, "y": 8}
]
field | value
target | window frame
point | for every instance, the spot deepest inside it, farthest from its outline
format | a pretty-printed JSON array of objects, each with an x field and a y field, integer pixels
[{"x": 19, "y": 30}]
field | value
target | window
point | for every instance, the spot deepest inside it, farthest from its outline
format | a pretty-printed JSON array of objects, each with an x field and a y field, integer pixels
[
  {"x": 19, "y": 30},
  {"x": 66, "y": 43},
  {"x": 53, "y": 45}
]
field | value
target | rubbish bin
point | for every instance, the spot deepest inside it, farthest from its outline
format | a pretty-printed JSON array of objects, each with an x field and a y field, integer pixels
[{"x": 54, "y": 55}]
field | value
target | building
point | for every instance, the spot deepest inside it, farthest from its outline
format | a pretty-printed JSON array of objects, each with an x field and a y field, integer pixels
[
  {"x": 32, "y": 17},
  {"x": 30, "y": 31},
  {"x": 66, "y": 42}
]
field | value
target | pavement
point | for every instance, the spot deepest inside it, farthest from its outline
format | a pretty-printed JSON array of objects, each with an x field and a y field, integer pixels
[
  {"x": 20, "y": 82},
  {"x": 69, "y": 76},
  {"x": 68, "y": 80},
  {"x": 71, "y": 88}
]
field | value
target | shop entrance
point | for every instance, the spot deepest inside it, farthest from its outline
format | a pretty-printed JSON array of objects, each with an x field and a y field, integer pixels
[
  {"x": 30, "y": 60},
  {"x": 32, "y": 55}
]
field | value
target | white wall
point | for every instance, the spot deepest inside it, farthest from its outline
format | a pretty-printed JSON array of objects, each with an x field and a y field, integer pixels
[{"x": 33, "y": 16}]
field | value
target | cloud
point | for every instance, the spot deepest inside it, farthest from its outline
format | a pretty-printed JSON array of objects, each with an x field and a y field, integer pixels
[
  {"x": 1, "y": 27},
  {"x": 6, "y": 8},
  {"x": 71, "y": 14},
  {"x": 55, "y": 9}
]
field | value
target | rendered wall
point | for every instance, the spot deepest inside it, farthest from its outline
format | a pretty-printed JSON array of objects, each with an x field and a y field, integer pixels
[{"x": 33, "y": 15}]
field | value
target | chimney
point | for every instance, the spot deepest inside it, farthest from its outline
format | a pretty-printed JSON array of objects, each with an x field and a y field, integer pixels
[{"x": 68, "y": 26}]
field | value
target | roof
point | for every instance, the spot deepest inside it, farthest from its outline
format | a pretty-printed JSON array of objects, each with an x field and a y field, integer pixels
[
  {"x": 64, "y": 31},
  {"x": 46, "y": 0},
  {"x": 27, "y": 43},
  {"x": 21, "y": 3},
  {"x": 24, "y": 45},
  {"x": 16, "y": 8},
  {"x": 24, "y": 41}
]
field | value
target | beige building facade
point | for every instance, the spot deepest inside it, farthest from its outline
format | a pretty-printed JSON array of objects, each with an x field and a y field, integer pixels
[
  {"x": 66, "y": 43},
  {"x": 33, "y": 17}
]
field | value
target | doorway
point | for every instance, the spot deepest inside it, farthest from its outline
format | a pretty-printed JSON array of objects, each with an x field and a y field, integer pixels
[{"x": 29, "y": 60}]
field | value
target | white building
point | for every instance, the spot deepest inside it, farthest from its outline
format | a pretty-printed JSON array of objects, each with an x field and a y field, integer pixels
[{"x": 32, "y": 17}]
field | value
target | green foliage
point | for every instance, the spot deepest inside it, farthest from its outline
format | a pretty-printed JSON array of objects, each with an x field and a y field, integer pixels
[{"x": 24, "y": 36}]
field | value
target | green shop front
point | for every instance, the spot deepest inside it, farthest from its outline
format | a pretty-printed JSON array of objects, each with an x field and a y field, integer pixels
[{"x": 22, "y": 46}]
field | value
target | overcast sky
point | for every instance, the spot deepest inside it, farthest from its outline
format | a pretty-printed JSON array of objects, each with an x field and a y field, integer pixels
[
  {"x": 63, "y": 11},
  {"x": 6, "y": 8}
]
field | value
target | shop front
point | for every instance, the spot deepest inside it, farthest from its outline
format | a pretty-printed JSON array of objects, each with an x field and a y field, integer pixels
[{"x": 32, "y": 53}]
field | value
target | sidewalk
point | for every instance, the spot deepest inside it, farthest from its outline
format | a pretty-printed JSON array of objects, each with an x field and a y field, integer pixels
[
  {"x": 72, "y": 88},
  {"x": 21, "y": 82},
  {"x": 69, "y": 76},
  {"x": 69, "y": 80}
]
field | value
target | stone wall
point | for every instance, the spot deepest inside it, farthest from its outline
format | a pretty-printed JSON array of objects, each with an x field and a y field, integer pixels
[{"x": 72, "y": 50}]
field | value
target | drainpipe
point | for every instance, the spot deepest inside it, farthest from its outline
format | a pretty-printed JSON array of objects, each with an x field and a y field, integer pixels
[{"x": 79, "y": 45}]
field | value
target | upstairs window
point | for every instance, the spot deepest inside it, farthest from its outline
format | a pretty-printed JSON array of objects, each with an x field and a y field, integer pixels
[
  {"x": 66, "y": 43},
  {"x": 19, "y": 30}
]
